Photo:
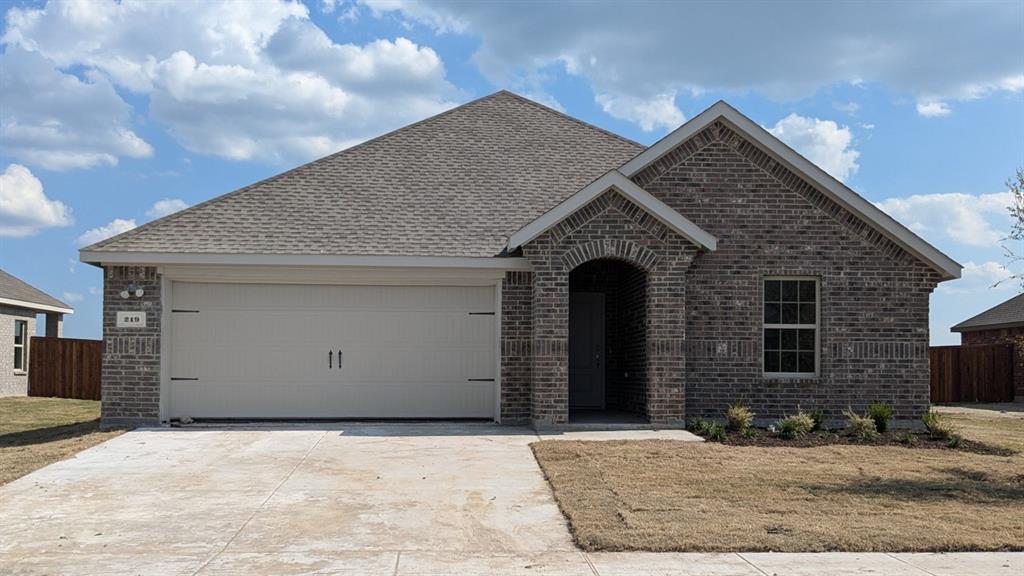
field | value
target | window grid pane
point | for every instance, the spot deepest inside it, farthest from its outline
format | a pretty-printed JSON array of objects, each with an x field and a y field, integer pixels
[{"x": 790, "y": 306}]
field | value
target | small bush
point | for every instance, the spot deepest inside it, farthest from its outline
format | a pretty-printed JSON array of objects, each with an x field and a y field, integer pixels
[
  {"x": 793, "y": 426},
  {"x": 818, "y": 416},
  {"x": 716, "y": 433},
  {"x": 881, "y": 413},
  {"x": 860, "y": 427},
  {"x": 908, "y": 439},
  {"x": 750, "y": 433},
  {"x": 739, "y": 417},
  {"x": 941, "y": 429},
  {"x": 698, "y": 426}
]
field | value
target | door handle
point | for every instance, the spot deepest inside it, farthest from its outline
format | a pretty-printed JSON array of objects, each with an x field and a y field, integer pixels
[
  {"x": 330, "y": 359},
  {"x": 339, "y": 359}
]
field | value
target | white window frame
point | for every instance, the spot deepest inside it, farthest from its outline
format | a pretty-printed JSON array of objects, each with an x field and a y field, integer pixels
[
  {"x": 816, "y": 327},
  {"x": 23, "y": 346}
]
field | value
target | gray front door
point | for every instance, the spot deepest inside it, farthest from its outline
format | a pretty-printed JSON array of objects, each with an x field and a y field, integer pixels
[{"x": 586, "y": 350}]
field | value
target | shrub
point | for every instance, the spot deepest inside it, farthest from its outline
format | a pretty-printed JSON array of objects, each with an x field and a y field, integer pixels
[
  {"x": 907, "y": 438},
  {"x": 796, "y": 425},
  {"x": 941, "y": 429},
  {"x": 739, "y": 417},
  {"x": 716, "y": 433},
  {"x": 860, "y": 427},
  {"x": 698, "y": 426},
  {"x": 750, "y": 433},
  {"x": 818, "y": 416},
  {"x": 881, "y": 413}
]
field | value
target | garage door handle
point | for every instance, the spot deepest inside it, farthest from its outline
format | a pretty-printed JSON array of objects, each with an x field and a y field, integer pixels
[
  {"x": 339, "y": 359},
  {"x": 330, "y": 359}
]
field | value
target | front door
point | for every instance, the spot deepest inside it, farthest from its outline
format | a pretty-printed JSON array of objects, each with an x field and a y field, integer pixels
[{"x": 586, "y": 350}]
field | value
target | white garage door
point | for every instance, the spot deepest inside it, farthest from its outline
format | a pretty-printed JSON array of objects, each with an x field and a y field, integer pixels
[{"x": 296, "y": 351}]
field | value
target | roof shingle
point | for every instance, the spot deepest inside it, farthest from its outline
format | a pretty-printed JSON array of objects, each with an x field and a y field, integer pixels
[
  {"x": 1007, "y": 314},
  {"x": 12, "y": 288},
  {"x": 456, "y": 184}
]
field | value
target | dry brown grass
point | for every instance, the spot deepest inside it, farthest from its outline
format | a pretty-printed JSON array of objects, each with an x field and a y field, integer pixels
[
  {"x": 675, "y": 496},
  {"x": 35, "y": 432}
]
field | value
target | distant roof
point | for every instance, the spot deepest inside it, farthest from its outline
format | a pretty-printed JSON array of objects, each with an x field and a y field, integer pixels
[
  {"x": 1005, "y": 315},
  {"x": 15, "y": 292},
  {"x": 455, "y": 184}
]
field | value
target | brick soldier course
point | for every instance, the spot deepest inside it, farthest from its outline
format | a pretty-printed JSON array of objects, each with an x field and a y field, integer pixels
[{"x": 683, "y": 245}]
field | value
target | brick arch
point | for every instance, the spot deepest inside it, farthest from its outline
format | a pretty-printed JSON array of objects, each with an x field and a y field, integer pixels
[{"x": 624, "y": 250}]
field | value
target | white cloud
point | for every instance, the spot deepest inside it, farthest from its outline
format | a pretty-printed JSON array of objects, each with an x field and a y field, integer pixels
[
  {"x": 822, "y": 141},
  {"x": 242, "y": 80},
  {"x": 73, "y": 297},
  {"x": 933, "y": 109},
  {"x": 850, "y": 108},
  {"x": 657, "y": 112},
  {"x": 958, "y": 51},
  {"x": 57, "y": 121},
  {"x": 972, "y": 219},
  {"x": 979, "y": 276},
  {"x": 24, "y": 208},
  {"x": 113, "y": 228},
  {"x": 166, "y": 206},
  {"x": 94, "y": 291}
]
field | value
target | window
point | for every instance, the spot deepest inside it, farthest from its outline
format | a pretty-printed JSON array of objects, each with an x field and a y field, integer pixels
[
  {"x": 790, "y": 326},
  {"x": 20, "y": 340}
]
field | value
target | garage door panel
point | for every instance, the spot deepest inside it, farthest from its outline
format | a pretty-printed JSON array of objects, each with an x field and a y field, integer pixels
[{"x": 262, "y": 351}]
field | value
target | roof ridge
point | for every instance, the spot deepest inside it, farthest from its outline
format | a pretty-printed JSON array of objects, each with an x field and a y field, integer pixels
[
  {"x": 139, "y": 229},
  {"x": 561, "y": 114}
]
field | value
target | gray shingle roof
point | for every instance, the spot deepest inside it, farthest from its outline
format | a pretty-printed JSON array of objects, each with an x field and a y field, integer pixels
[
  {"x": 456, "y": 184},
  {"x": 1009, "y": 313},
  {"x": 12, "y": 288}
]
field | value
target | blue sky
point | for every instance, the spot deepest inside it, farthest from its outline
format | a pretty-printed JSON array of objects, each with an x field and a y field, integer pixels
[{"x": 114, "y": 113}]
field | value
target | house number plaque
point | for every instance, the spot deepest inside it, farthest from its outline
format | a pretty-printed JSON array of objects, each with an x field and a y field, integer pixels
[{"x": 131, "y": 319}]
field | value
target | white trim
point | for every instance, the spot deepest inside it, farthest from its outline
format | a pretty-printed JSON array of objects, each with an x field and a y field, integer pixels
[
  {"x": 35, "y": 306},
  {"x": 157, "y": 258},
  {"x": 831, "y": 187},
  {"x": 614, "y": 179},
  {"x": 332, "y": 275},
  {"x": 166, "y": 333}
]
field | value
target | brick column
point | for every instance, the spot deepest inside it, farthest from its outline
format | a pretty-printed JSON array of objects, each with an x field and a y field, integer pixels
[
  {"x": 54, "y": 325},
  {"x": 131, "y": 355}
]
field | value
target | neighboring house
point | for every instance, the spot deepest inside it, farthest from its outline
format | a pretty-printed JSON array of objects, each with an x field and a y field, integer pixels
[
  {"x": 20, "y": 303},
  {"x": 1001, "y": 324},
  {"x": 505, "y": 261}
]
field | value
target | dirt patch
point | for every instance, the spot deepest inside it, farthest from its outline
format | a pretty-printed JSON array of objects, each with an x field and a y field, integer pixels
[
  {"x": 661, "y": 495},
  {"x": 830, "y": 438},
  {"x": 35, "y": 432}
]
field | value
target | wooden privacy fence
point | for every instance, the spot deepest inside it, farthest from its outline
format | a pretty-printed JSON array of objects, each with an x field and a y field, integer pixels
[
  {"x": 972, "y": 373},
  {"x": 64, "y": 367}
]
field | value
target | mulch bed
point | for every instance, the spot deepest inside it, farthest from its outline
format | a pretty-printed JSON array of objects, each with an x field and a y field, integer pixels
[{"x": 767, "y": 439}]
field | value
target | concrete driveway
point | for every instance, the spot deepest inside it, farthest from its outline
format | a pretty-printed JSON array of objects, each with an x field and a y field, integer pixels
[{"x": 393, "y": 499}]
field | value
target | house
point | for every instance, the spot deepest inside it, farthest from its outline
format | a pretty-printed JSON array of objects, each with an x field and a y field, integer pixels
[
  {"x": 505, "y": 261},
  {"x": 1000, "y": 324},
  {"x": 20, "y": 303}
]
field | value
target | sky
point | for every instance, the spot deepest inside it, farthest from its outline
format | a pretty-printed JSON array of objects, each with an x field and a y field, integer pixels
[{"x": 113, "y": 114}]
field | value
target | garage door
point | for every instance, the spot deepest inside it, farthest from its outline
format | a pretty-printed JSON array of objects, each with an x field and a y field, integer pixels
[{"x": 296, "y": 351}]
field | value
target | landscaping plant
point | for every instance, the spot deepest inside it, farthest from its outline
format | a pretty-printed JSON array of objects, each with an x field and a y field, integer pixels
[
  {"x": 819, "y": 420},
  {"x": 793, "y": 426},
  {"x": 860, "y": 427},
  {"x": 716, "y": 433},
  {"x": 698, "y": 426},
  {"x": 881, "y": 413},
  {"x": 739, "y": 417},
  {"x": 940, "y": 428}
]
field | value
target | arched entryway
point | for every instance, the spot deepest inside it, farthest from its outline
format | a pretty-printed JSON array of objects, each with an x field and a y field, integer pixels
[{"x": 607, "y": 342}]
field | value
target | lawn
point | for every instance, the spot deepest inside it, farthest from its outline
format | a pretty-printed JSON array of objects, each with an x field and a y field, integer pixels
[
  {"x": 35, "y": 432},
  {"x": 662, "y": 495}
]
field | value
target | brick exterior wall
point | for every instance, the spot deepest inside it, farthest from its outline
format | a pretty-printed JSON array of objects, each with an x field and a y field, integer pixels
[
  {"x": 609, "y": 227},
  {"x": 516, "y": 347},
  {"x": 14, "y": 383},
  {"x": 873, "y": 295},
  {"x": 131, "y": 356},
  {"x": 1013, "y": 336}
]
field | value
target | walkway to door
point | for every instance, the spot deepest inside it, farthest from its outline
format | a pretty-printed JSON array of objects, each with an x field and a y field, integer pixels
[{"x": 607, "y": 342}]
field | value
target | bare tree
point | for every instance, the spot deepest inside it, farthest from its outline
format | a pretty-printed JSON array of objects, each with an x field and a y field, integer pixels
[{"x": 1013, "y": 255}]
